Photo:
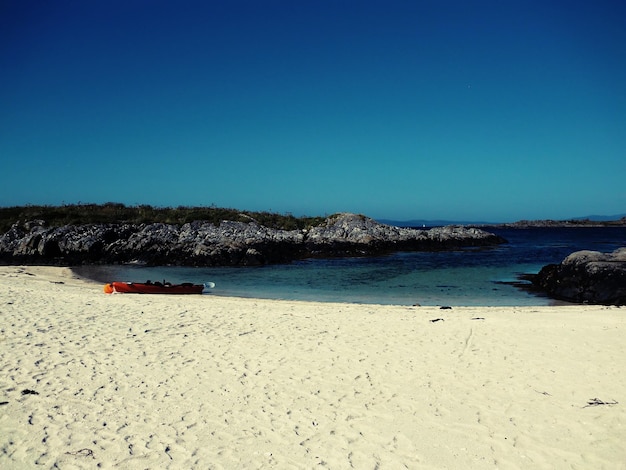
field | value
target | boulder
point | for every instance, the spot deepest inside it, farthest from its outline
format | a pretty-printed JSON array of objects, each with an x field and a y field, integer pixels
[{"x": 586, "y": 277}]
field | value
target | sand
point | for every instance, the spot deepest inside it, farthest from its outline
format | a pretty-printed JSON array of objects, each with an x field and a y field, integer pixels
[{"x": 89, "y": 380}]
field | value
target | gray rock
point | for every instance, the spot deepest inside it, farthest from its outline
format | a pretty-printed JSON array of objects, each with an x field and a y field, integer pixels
[
  {"x": 229, "y": 244},
  {"x": 586, "y": 277}
]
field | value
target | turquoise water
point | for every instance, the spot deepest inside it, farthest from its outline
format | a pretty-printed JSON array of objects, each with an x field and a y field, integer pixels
[{"x": 472, "y": 277}]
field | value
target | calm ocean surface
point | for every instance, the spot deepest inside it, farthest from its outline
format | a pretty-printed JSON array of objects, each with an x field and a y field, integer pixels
[{"x": 471, "y": 277}]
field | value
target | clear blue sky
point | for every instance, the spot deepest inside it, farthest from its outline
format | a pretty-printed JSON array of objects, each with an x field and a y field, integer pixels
[{"x": 467, "y": 110}]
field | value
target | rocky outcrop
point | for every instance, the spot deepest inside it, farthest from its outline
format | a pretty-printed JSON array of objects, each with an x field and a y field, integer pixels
[
  {"x": 586, "y": 277},
  {"x": 227, "y": 244},
  {"x": 351, "y": 234}
]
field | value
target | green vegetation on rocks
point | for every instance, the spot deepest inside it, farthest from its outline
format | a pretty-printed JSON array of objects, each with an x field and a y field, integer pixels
[{"x": 117, "y": 213}]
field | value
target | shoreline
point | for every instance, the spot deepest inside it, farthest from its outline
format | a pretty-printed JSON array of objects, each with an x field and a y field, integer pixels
[
  {"x": 222, "y": 382},
  {"x": 95, "y": 274}
]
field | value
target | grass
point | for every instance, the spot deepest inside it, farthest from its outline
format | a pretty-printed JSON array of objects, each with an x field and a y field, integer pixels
[{"x": 117, "y": 213}]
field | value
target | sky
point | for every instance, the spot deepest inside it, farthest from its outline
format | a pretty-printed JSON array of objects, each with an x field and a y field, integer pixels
[{"x": 419, "y": 109}]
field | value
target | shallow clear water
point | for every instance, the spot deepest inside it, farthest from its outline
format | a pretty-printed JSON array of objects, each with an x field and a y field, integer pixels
[{"x": 472, "y": 277}]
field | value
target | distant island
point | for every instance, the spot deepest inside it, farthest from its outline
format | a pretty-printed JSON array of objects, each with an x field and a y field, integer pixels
[
  {"x": 557, "y": 223},
  {"x": 590, "y": 221}
]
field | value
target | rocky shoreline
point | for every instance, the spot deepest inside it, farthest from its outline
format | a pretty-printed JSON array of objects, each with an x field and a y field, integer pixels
[
  {"x": 227, "y": 244},
  {"x": 585, "y": 277},
  {"x": 582, "y": 277}
]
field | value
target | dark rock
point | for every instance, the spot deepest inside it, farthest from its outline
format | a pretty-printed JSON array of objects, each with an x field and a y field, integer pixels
[
  {"x": 227, "y": 244},
  {"x": 586, "y": 277}
]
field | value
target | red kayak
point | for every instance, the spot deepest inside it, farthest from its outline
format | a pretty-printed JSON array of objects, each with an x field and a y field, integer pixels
[{"x": 157, "y": 288}]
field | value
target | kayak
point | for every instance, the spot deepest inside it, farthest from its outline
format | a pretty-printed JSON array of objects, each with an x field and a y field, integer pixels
[{"x": 157, "y": 288}]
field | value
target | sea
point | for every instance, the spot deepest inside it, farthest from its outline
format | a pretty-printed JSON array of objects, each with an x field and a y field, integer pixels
[{"x": 466, "y": 277}]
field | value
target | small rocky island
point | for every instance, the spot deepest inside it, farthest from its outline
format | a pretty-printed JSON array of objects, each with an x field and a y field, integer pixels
[
  {"x": 586, "y": 277},
  {"x": 228, "y": 243}
]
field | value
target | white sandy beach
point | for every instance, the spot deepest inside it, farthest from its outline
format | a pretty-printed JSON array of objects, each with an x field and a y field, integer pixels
[{"x": 89, "y": 380}]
